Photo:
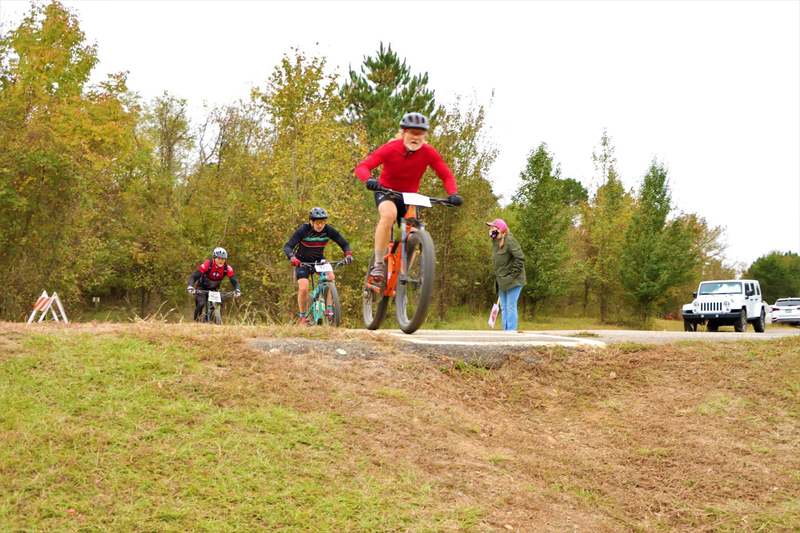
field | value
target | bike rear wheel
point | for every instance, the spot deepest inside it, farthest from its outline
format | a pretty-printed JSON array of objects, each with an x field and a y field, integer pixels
[
  {"x": 335, "y": 319},
  {"x": 415, "y": 287},
  {"x": 373, "y": 304}
]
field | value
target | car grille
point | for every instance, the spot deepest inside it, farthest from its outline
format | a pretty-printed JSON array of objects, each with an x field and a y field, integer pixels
[{"x": 710, "y": 306}]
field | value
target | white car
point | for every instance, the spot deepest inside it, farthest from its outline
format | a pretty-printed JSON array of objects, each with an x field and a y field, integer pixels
[
  {"x": 786, "y": 311},
  {"x": 729, "y": 302}
]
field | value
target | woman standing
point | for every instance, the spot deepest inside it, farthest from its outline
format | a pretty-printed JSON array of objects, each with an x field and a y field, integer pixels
[{"x": 509, "y": 270}]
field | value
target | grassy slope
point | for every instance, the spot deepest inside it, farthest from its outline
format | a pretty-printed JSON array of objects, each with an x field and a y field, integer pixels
[{"x": 177, "y": 427}]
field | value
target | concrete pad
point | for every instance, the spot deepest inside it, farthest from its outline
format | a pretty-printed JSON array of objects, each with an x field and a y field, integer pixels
[{"x": 491, "y": 338}]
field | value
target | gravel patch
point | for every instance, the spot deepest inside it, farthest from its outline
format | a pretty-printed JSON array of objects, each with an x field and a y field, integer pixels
[{"x": 338, "y": 349}]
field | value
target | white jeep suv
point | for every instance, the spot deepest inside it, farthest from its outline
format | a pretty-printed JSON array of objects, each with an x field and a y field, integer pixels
[{"x": 733, "y": 302}]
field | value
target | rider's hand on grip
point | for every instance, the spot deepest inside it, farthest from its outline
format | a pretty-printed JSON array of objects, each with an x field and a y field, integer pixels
[
  {"x": 455, "y": 199},
  {"x": 237, "y": 293},
  {"x": 294, "y": 261},
  {"x": 373, "y": 185},
  {"x": 190, "y": 289},
  {"x": 348, "y": 258}
]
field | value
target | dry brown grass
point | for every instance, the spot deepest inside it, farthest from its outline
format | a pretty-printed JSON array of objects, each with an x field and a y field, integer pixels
[{"x": 698, "y": 437}]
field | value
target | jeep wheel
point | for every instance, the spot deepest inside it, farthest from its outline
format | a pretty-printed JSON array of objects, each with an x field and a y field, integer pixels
[
  {"x": 712, "y": 326},
  {"x": 741, "y": 325},
  {"x": 760, "y": 324},
  {"x": 689, "y": 326}
]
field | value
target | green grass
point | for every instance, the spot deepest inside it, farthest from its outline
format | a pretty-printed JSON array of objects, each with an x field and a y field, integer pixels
[
  {"x": 465, "y": 319},
  {"x": 116, "y": 433},
  {"x": 719, "y": 403}
]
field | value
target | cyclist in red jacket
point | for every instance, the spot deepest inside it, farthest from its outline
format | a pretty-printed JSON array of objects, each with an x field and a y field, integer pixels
[
  {"x": 209, "y": 276},
  {"x": 404, "y": 162}
]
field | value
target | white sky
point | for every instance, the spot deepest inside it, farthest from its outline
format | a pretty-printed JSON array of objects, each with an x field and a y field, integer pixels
[{"x": 710, "y": 88}]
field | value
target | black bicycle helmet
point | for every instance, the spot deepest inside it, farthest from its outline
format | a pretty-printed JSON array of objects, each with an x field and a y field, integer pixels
[
  {"x": 414, "y": 120},
  {"x": 317, "y": 213}
]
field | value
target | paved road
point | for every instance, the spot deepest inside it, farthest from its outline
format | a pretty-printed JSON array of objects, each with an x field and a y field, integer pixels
[{"x": 574, "y": 338}]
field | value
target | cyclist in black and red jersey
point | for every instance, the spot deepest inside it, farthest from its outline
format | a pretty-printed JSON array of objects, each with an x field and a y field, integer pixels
[
  {"x": 210, "y": 274},
  {"x": 307, "y": 245},
  {"x": 404, "y": 161}
]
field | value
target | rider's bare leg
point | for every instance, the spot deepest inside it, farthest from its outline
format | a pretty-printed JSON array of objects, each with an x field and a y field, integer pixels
[
  {"x": 302, "y": 295},
  {"x": 383, "y": 231}
]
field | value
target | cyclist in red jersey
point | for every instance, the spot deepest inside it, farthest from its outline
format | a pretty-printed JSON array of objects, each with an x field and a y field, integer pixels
[{"x": 404, "y": 162}]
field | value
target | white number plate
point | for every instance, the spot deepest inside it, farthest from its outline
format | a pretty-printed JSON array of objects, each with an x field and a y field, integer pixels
[
  {"x": 214, "y": 296},
  {"x": 412, "y": 198},
  {"x": 324, "y": 267}
]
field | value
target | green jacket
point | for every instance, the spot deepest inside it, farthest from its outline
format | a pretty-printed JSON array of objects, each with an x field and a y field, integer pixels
[{"x": 509, "y": 263}]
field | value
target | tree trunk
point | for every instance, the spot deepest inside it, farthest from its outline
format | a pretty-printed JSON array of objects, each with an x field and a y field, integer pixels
[
  {"x": 603, "y": 305},
  {"x": 142, "y": 301},
  {"x": 585, "y": 295}
]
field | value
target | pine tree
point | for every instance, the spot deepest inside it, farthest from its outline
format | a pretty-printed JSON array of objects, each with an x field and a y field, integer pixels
[{"x": 382, "y": 92}]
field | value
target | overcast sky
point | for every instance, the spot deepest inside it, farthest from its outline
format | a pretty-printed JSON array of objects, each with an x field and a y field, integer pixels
[{"x": 710, "y": 88}]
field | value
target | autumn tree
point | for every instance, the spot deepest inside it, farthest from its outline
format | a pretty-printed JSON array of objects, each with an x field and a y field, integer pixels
[
  {"x": 63, "y": 147},
  {"x": 605, "y": 219},
  {"x": 464, "y": 276}
]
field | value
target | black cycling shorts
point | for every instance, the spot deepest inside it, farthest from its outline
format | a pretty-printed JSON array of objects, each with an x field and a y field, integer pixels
[
  {"x": 398, "y": 202},
  {"x": 302, "y": 272}
]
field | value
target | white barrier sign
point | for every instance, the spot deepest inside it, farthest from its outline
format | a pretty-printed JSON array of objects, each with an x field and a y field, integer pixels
[{"x": 44, "y": 304}]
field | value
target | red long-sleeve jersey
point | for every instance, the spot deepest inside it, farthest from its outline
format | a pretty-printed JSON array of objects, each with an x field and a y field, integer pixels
[{"x": 402, "y": 169}]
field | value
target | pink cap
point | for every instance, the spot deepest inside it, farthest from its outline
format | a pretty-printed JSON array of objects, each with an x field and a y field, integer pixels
[{"x": 500, "y": 224}]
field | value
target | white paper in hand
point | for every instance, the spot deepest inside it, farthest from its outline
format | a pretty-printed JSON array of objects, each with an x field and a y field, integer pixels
[{"x": 493, "y": 314}]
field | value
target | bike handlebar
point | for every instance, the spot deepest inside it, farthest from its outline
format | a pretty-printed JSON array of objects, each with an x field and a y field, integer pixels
[
  {"x": 435, "y": 201},
  {"x": 334, "y": 264},
  {"x": 223, "y": 294}
]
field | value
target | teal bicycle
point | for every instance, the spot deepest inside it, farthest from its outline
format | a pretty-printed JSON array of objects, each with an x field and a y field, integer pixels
[{"x": 324, "y": 306}]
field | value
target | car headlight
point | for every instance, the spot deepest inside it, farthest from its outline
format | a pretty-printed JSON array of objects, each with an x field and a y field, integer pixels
[
  {"x": 726, "y": 305},
  {"x": 696, "y": 304}
]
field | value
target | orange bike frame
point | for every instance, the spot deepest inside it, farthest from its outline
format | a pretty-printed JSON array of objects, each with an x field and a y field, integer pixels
[{"x": 394, "y": 259}]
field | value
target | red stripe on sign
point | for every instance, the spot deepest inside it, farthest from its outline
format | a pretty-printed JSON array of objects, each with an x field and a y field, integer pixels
[{"x": 40, "y": 303}]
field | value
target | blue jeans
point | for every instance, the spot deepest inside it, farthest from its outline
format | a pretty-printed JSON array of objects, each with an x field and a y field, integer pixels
[{"x": 508, "y": 307}]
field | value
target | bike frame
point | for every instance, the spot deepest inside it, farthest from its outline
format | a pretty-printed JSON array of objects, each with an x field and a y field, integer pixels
[
  {"x": 211, "y": 306},
  {"x": 409, "y": 224}
]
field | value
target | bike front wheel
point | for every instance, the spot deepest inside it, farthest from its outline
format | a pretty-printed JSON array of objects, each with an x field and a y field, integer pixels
[
  {"x": 218, "y": 315},
  {"x": 415, "y": 286},
  {"x": 373, "y": 303},
  {"x": 333, "y": 316}
]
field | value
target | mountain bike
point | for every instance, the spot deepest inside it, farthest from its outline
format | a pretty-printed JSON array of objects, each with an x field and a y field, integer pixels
[
  {"x": 410, "y": 269},
  {"x": 213, "y": 311},
  {"x": 318, "y": 312}
]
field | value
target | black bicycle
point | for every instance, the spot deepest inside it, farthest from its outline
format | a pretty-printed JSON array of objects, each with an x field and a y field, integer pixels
[{"x": 213, "y": 311}]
